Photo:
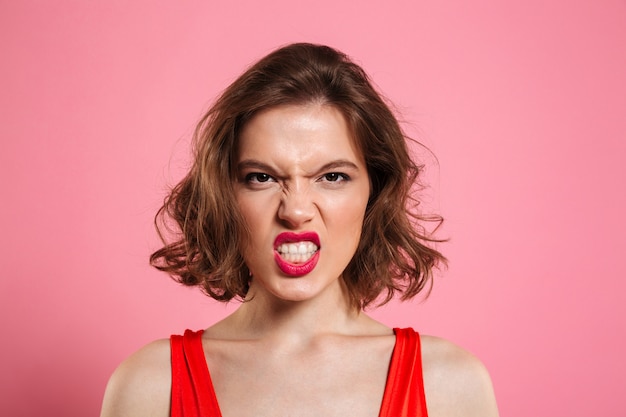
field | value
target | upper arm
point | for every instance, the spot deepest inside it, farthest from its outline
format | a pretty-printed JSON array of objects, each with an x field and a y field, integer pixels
[
  {"x": 456, "y": 382},
  {"x": 141, "y": 385}
]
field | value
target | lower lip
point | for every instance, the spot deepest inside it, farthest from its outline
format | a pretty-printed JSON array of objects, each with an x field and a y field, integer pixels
[{"x": 296, "y": 270}]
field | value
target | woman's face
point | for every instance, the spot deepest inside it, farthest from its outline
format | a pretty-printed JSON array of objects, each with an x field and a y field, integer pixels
[{"x": 302, "y": 188}]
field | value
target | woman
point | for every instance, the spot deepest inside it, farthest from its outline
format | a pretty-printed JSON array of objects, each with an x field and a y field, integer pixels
[{"x": 298, "y": 203}]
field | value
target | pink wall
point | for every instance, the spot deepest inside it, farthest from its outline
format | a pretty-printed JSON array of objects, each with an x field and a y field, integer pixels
[{"x": 523, "y": 103}]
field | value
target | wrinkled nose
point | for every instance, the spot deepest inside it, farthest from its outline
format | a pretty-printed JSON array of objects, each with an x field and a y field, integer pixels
[{"x": 296, "y": 208}]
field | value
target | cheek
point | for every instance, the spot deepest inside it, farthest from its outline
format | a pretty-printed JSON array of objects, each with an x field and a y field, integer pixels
[
  {"x": 348, "y": 215},
  {"x": 258, "y": 213},
  {"x": 251, "y": 223},
  {"x": 248, "y": 214},
  {"x": 254, "y": 208}
]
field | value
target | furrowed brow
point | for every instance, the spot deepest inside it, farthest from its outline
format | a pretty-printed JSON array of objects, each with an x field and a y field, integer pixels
[
  {"x": 339, "y": 164},
  {"x": 253, "y": 164}
]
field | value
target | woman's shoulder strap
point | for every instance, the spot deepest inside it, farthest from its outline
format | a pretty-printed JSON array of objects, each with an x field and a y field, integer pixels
[
  {"x": 404, "y": 394},
  {"x": 192, "y": 390}
]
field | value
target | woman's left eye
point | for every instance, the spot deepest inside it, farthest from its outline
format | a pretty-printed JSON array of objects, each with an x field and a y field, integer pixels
[
  {"x": 257, "y": 177},
  {"x": 335, "y": 177}
]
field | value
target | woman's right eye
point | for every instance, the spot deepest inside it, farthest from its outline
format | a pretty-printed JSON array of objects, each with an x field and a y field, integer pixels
[{"x": 257, "y": 177}]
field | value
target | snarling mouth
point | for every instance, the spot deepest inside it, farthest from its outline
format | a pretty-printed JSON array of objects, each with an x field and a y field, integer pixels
[{"x": 297, "y": 252}]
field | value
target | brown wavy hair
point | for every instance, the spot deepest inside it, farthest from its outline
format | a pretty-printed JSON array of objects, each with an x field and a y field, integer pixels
[{"x": 393, "y": 255}]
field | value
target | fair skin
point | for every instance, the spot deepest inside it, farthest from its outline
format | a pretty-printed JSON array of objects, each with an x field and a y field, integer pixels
[{"x": 297, "y": 347}]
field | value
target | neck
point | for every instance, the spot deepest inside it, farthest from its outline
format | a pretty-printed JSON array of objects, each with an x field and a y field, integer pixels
[{"x": 263, "y": 315}]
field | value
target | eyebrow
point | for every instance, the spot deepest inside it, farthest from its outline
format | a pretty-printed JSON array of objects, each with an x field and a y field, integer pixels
[
  {"x": 255, "y": 164},
  {"x": 339, "y": 163}
]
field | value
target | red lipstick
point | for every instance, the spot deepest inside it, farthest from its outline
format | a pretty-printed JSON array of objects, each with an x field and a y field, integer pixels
[
  {"x": 296, "y": 269},
  {"x": 290, "y": 237}
]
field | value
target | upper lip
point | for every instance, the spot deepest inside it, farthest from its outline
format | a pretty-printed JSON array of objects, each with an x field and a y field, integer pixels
[{"x": 290, "y": 237}]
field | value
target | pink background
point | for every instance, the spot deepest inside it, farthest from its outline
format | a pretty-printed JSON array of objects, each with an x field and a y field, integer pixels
[{"x": 523, "y": 103}]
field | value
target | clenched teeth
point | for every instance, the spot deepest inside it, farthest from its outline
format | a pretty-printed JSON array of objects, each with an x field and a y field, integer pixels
[{"x": 297, "y": 252}]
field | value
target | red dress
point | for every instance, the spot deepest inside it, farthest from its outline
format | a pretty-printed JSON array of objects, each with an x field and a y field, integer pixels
[{"x": 193, "y": 394}]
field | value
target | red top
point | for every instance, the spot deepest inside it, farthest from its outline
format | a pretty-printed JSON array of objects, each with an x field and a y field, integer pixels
[{"x": 193, "y": 394}]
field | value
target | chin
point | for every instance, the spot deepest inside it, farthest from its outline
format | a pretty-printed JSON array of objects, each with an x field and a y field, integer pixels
[
  {"x": 299, "y": 289},
  {"x": 297, "y": 293}
]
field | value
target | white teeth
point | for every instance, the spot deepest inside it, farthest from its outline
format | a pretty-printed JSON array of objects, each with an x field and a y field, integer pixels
[{"x": 297, "y": 252}]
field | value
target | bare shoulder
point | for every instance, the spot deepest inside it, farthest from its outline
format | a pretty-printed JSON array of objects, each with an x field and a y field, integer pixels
[
  {"x": 455, "y": 381},
  {"x": 141, "y": 385}
]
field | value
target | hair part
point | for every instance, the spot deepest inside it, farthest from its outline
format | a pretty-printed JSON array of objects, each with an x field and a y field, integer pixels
[{"x": 393, "y": 255}]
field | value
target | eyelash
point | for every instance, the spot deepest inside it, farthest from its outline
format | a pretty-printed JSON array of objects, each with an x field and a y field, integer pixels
[
  {"x": 338, "y": 177},
  {"x": 260, "y": 177},
  {"x": 257, "y": 177}
]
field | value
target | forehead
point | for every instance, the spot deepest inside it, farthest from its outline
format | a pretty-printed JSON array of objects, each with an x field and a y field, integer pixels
[{"x": 298, "y": 133}]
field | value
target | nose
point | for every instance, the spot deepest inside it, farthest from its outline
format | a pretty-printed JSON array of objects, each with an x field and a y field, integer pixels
[{"x": 296, "y": 207}]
